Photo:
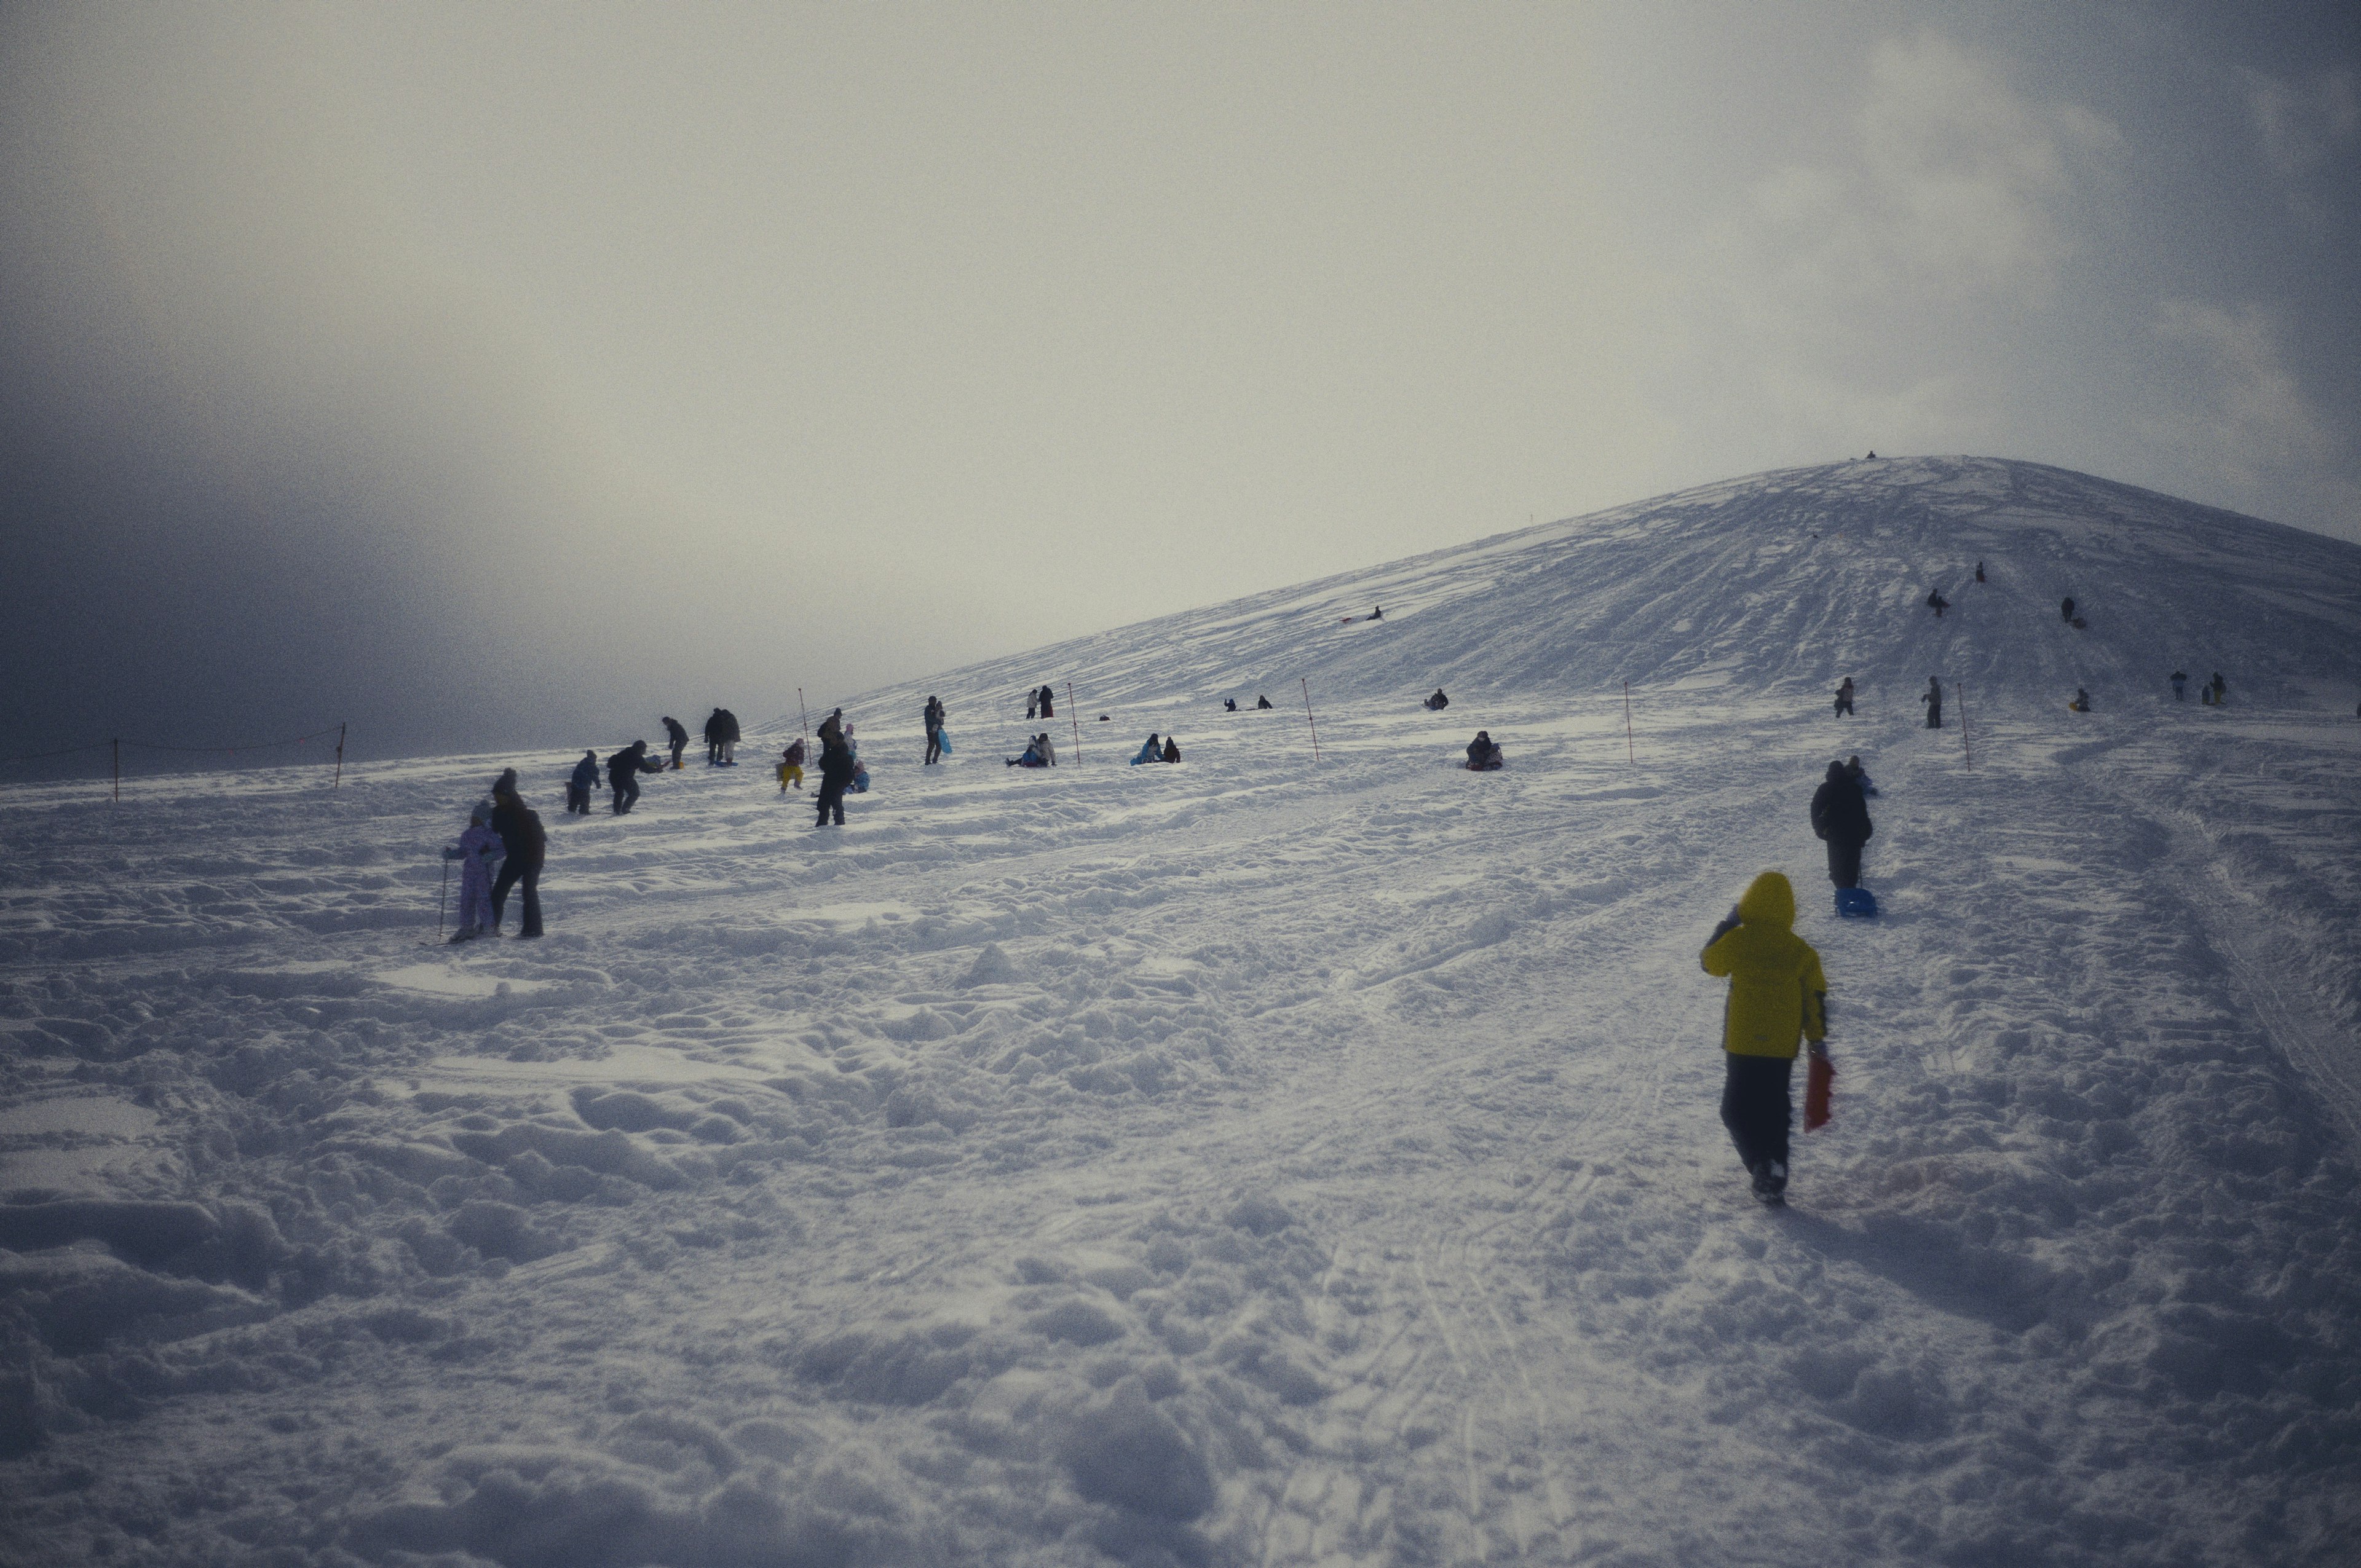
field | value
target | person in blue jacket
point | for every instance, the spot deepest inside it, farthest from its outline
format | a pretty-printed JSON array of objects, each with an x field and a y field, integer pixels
[{"x": 1150, "y": 750}]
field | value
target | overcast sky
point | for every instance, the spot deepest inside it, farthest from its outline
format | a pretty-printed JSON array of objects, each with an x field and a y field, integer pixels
[{"x": 500, "y": 373}]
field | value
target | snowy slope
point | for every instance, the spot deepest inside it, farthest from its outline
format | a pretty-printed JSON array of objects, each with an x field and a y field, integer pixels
[
  {"x": 1782, "y": 581},
  {"x": 1248, "y": 1161}
]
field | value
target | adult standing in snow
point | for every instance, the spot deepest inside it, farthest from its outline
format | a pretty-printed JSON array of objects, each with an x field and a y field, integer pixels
[
  {"x": 2221, "y": 689},
  {"x": 2066, "y": 610},
  {"x": 934, "y": 721},
  {"x": 730, "y": 736},
  {"x": 1936, "y": 602},
  {"x": 677, "y": 733},
  {"x": 835, "y": 776},
  {"x": 1933, "y": 699},
  {"x": 521, "y": 833},
  {"x": 1844, "y": 697},
  {"x": 578, "y": 787},
  {"x": 478, "y": 851},
  {"x": 2179, "y": 686},
  {"x": 1841, "y": 817},
  {"x": 713, "y": 739},
  {"x": 1979, "y": 571},
  {"x": 832, "y": 730},
  {"x": 623, "y": 771},
  {"x": 1778, "y": 996},
  {"x": 1049, "y": 701}
]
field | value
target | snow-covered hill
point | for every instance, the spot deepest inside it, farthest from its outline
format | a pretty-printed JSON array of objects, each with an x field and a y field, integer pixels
[
  {"x": 1256, "y": 1160},
  {"x": 1780, "y": 583}
]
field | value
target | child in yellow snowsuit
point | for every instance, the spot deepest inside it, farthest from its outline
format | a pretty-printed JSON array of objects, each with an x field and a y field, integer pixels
[
  {"x": 791, "y": 767},
  {"x": 1777, "y": 997}
]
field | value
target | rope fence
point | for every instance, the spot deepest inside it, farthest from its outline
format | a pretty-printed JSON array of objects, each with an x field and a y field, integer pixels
[{"x": 116, "y": 748}]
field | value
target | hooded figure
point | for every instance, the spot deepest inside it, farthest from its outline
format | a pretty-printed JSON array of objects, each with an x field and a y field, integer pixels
[
  {"x": 1484, "y": 753},
  {"x": 1261, "y": 702},
  {"x": 521, "y": 833},
  {"x": 623, "y": 771},
  {"x": 1841, "y": 816},
  {"x": 1778, "y": 997},
  {"x": 479, "y": 852},
  {"x": 836, "y": 770},
  {"x": 1150, "y": 750},
  {"x": 1171, "y": 750},
  {"x": 584, "y": 780}
]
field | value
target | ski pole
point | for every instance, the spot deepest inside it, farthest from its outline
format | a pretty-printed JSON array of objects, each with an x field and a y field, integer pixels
[{"x": 444, "y": 903}]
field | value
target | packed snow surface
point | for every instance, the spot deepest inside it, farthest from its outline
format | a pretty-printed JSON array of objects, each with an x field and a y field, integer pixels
[{"x": 1259, "y": 1160}]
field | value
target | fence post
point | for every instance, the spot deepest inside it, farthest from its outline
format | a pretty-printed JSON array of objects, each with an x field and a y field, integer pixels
[
  {"x": 1630, "y": 754},
  {"x": 1075, "y": 720},
  {"x": 338, "y": 781},
  {"x": 1964, "y": 749},
  {"x": 117, "y": 745},
  {"x": 803, "y": 715},
  {"x": 1306, "y": 684}
]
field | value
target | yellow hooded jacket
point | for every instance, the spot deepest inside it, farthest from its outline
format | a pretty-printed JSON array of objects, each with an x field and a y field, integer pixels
[{"x": 1777, "y": 992}]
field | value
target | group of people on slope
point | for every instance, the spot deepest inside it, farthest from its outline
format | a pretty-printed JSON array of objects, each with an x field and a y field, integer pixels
[
  {"x": 1230, "y": 704},
  {"x": 1151, "y": 750},
  {"x": 1041, "y": 702},
  {"x": 2212, "y": 693},
  {"x": 721, "y": 739},
  {"x": 506, "y": 833}
]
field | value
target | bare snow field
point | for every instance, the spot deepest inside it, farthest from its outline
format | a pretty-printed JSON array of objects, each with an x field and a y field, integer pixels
[{"x": 1254, "y": 1161}]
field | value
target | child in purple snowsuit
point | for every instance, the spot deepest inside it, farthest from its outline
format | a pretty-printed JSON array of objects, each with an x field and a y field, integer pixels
[{"x": 479, "y": 852}]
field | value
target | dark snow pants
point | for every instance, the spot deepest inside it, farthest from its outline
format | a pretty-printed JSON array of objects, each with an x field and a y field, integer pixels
[
  {"x": 1755, "y": 1107},
  {"x": 577, "y": 800},
  {"x": 1844, "y": 862},
  {"x": 677, "y": 748},
  {"x": 934, "y": 745},
  {"x": 626, "y": 792},
  {"x": 1934, "y": 716},
  {"x": 511, "y": 873},
  {"x": 1844, "y": 705},
  {"x": 831, "y": 799}
]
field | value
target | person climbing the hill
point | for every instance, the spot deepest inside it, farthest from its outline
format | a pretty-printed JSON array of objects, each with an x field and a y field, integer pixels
[
  {"x": 1933, "y": 699},
  {"x": 836, "y": 765},
  {"x": 2081, "y": 703},
  {"x": 1844, "y": 697},
  {"x": 1778, "y": 995},
  {"x": 1860, "y": 775},
  {"x": 478, "y": 851},
  {"x": 1150, "y": 750},
  {"x": 713, "y": 728},
  {"x": 2066, "y": 610},
  {"x": 1171, "y": 750},
  {"x": 527, "y": 844},
  {"x": 791, "y": 765},
  {"x": 730, "y": 736},
  {"x": 623, "y": 771},
  {"x": 2179, "y": 679},
  {"x": 1840, "y": 819},
  {"x": 934, "y": 721},
  {"x": 578, "y": 785},
  {"x": 677, "y": 733},
  {"x": 1261, "y": 701},
  {"x": 1484, "y": 753},
  {"x": 1936, "y": 602},
  {"x": 1979, "y": 571},
  {"x": 1438, "y": 702}
]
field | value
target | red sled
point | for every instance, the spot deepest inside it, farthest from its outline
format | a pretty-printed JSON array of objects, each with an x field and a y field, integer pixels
[{"x": 1815, "y": 1093}]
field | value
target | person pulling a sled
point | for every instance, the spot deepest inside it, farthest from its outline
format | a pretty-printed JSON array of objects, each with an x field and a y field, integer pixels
[
  {"x": 1933, "y": 699},
  {"x": 1841, "y": 817},
  {"x": 1778, "y": 998},
  {"x": 1438, "y": 702},
  {"x": 1844, "y": 697},
  {"x": 1484, "y": 753}
]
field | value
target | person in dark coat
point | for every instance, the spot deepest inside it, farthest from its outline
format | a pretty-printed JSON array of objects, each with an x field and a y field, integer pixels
[
  {"x": 836, "y": 767},
  {"x": 730, "y": 736},
  {"x": 1841, "y": 816},
  {"x": 1484, "y": 753},
  {"x": 832, "y": 729},
  {"x": 1844, "y": 697},
  {"x": 1936, "y": 602},
  {"x": 1933, "y": 699},
  {"x": 2066, "y": 610},
  {"x": 677, "y": 733},
  {"x": 623, "y": 771},
  {"x": 713, "y": 730},
  {"x": 1438, "y": 702},
  {"x": 1261, "y": 702},
  {"x": 1048, "y": 702},
  {"x": 934, "y": 719},
  {"x": 523, "y": 837},
  {"x": 1229, "y": 705},
  {"x": 578, "y": 787},
  {"x": 1979, "y": 571},
  {"x": 2179, "y": 686},
  {"x": 1171, "y": 750}
]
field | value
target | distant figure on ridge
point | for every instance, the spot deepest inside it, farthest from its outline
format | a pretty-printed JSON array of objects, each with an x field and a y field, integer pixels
[
  {"x": 578, "y": 786},
  {"x": 1150, "y": 750},
  {"x": 2066, "y": 610},
  {"x": 1484, "y": 753},
  {"x": 1844, "y": 697},
  {"x": 1933, "y": 699},
  {"x": 1438, "y": 702},
  {"x": 678, "y": 735},
  {"x": 1936, "y": 602},
  {"x": 2221, "y": 689},
  {"x": 1840, "y": 819},
  {"x": 934, "y": 719},
  {"x": 623, "y": 771},
  {"x": 1778, "y": 994},
  {"x": 2179, "y": 686}
]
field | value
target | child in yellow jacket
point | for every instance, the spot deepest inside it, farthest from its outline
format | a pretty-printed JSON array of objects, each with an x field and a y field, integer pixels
[
  {"x": 791, "y": 766},
  {"x": 1778, "y": 997}
]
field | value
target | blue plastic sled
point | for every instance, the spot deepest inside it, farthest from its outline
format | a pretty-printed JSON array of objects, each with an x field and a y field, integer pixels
[
  {"x": 943, "y": 741},
  {"x": 1856, "y": 904}
]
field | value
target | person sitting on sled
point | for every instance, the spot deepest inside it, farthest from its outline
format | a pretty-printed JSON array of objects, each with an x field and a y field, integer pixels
[
  {"x": 1150, "y": 750},
  {"x": 1778, "y": 996},
  {"x": 1262, "y": 702},
  {"x": 1484, "y": 753},
  {"x": 1171, "y": 750},
  {"x": 1438, "y": 702},
  {"x": 2081, "y": 703}
]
